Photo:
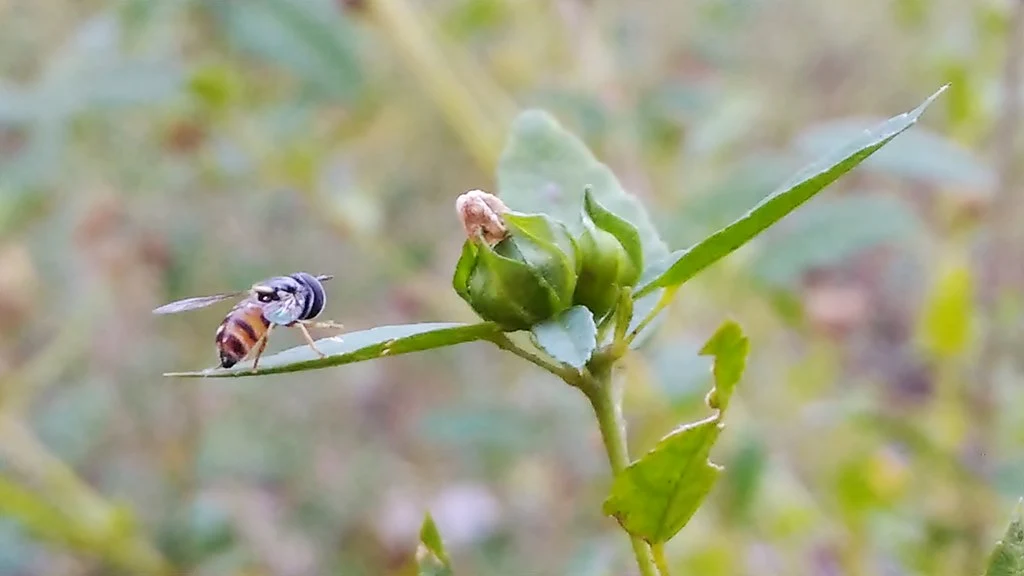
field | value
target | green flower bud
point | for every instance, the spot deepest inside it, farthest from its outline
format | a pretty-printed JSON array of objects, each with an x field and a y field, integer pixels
[
  {"x": 612, "y": 257},
  {"x": 524, "y": 278}
]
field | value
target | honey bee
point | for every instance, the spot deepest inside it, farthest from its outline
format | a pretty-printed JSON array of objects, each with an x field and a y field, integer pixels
[{"x": 290, "y": 301}]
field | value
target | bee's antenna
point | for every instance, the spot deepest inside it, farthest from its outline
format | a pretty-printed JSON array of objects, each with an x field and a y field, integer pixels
[{"x": 324, "y": 277}]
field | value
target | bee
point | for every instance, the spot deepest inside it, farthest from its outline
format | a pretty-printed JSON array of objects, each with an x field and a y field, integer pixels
[{"x": 290, "y": 301}]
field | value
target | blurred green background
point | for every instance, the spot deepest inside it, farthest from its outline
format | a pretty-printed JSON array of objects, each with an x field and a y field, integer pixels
[{"x": 153, "y": 150}]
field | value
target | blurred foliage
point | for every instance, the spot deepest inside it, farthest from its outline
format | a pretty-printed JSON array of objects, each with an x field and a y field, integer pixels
[{"x": 157, "y": 150}]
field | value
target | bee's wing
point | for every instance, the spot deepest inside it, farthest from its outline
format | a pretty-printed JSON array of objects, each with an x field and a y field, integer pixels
[{"x": 195, "y": 302}]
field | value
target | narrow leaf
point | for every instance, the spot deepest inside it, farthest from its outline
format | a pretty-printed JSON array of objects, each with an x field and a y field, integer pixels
[
  {"x": 922, "y": 154},
  {"x": 357, "y": 347},
  {"x": 682, "y": 265},
  {"x": 656, "y": 496},
  {"x": 431, "y": 557},
  {"x": 1007, "y": 558},
  {"x": 570, "y": 337}
]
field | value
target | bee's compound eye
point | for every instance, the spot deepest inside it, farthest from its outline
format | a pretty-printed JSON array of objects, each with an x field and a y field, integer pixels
[{"x": 266, "y": 295}]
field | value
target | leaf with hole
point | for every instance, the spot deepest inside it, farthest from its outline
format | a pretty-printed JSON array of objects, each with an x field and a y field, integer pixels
[
  {"x": 656, "y": 496},
  {"x": 357, "y": 347},
  {"x": 682, "y": 265}
]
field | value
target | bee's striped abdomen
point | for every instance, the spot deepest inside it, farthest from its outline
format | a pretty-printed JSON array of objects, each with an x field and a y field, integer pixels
[{"x": 239, "y": 331}]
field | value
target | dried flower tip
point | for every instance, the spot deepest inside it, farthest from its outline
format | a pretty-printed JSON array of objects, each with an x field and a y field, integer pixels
[{"x": 481, "y": 213}]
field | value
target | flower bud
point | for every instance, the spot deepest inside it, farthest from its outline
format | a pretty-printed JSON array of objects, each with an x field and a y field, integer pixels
[
  {"x": 525, "y": 277},
  {"x": 612, "y": 257},
  {"x": 481, "y": 215}
]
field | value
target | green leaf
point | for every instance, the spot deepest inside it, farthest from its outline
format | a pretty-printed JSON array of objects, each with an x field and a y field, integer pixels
[
  {"x": 545, "y": 168},
  {"x": 357, "y": 347},
  {"x": 570, "y": 337},
  {"x": 1007, "y": 558},
  {"x": 682, "y": 265},
  {"x": 430, "y": 554},
  {"x": 656, "y": 496},
  {"x": 729, "y": 347}
]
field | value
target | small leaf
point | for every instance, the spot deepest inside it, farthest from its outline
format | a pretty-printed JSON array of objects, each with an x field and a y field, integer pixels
[
  {"x": 570, "y": 337},
  {"x": 357, "y": 347},
  {"x": 657, "y": 495},
  {"x": 430, "y": 554},
  {"x": 682, "y": 265},
  {"x": 1007, "y": 558},
  {"x": 729, "y": 347}
]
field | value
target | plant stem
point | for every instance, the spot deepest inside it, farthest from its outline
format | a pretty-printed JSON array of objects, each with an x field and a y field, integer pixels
[
  {"x": 659, "y": 558},
  {"x": 572, "y": 377},
  {"x": 613, "y": 431},
  {"x": 665, "y": 300}
]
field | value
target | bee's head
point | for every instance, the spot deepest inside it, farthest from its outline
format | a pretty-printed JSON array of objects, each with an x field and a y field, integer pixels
[{"x": 283, "y": 299}]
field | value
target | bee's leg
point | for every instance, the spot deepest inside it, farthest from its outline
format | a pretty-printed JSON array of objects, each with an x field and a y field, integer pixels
[
  {"x": 324, "y": 324},
  {"x": 309, "y": 339},
  {"x": 261, "y": 345}
]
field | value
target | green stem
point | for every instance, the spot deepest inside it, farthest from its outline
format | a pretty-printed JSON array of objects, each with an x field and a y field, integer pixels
[
  {"x": 665, "y": 300},
  {"x": 613, "y": 432},
  {"x": 659, "y": 558}
]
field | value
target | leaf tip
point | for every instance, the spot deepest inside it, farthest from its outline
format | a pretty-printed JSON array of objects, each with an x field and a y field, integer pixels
[{"x": 533, "y": 119}]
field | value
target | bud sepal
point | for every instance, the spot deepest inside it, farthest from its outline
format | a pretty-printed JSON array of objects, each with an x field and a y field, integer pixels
[{"x": 612, "y": 257}]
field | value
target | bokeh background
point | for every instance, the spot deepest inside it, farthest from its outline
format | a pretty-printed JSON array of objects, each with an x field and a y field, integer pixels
[{"x": 153, "y": 150}]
